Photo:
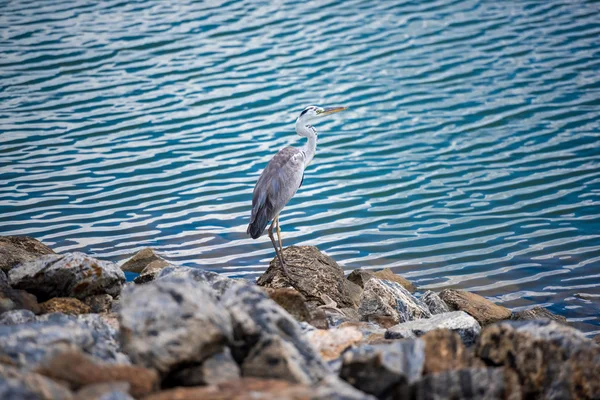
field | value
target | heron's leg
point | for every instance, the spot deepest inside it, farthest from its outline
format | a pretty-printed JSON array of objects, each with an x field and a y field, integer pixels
[
  {"x": 279, "y": 235},
  {"x": 277, "y": 250}
]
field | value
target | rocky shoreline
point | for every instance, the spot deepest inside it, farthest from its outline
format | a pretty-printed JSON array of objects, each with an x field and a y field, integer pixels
[{"x": 71, "y": 327}]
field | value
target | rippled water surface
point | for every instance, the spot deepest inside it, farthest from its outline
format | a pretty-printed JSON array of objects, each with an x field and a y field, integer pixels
[{"x": 469, "y": 158}]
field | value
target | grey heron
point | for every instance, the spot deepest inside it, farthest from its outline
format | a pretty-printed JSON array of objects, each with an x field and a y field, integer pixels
[{"x": 282, "y": 177}]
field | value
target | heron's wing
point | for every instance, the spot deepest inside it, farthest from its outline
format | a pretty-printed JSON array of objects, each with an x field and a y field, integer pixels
[{"x": 275, "y": 187}]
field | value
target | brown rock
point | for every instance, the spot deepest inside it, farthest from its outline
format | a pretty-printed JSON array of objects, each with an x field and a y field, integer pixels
[
  {"x": 292, "y": 301},
  {"x": 18, "y": 384},
  {"x": 313, "y": 274},
  {"x": 360, "y": 276},
  {"x": 331, "y": 343},
  {"x": 13, "y": 299},
  {"x": 143, "y": 259},
  {"x": 444, "y": 351},
  {"x": 65, "y": 305},
  {"x": 99, "y": 303},
  {"x": 596, "y": 339},
  {"x": 16, "y": 249},
  {"x": 480, "y": 308},
  {"x": 537, "y": 313},
  {"x": 79, "y": 370},
  {"x": 388, "y": 275}
]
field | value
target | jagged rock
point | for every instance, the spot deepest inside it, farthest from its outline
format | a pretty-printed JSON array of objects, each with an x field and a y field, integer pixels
[
  {"x": 218, "y": 283},
  {"x": 16, "y": 317},
  {"x": 457, "y": 321},
  {"x": 99, "y": 303},
  {"x": 445, "y": 351},
  {"x": 65, "y": 305},
  {"x": 292, "y": 301},
  {"x": 259, "y": 322},
  {"x": 11, "y": 299},
  {"x": 366, "y": 328},
  {"x": 387, "y": 298},
  {"x": 537, "y": 313},
  {"x": 30, "y": 343},
  {"x": 435, "y": 303},
  {"x": 18, "y": 384},
  {"x": 331, "y": 343},
  {"x": 551, "y": 359},
  {"x": 15, "y": 250},
  {"x": 78, "y": 370},
  {"x": 314, "y": 274},
  {"x": 360, "y": 276},
  {"x": 67, "y": 275},
  {"x": 387, "y": 275},
  {"x": 472, "y": 383},
  {"x": 172, "y": 322},
  {"x": 218, "y": 368},
  {"x": 105, "y": 391},
  {"x": 480, "y": 308},
  {"x": 380, "y": 369},
  {"x": 143, "y": 259}
]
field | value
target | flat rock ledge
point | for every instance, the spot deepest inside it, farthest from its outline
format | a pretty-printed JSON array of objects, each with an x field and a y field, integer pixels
[{"x": 184, "y": 333}]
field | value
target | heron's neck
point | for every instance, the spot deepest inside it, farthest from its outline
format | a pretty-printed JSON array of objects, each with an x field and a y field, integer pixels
[{"x": 310, "y": 147}]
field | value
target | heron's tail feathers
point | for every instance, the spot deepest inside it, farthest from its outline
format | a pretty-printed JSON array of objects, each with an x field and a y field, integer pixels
[{"x": 258, "y": 222}]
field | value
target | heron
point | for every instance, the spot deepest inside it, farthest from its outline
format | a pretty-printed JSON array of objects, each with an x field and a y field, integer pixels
[{"x": 282, "y": 177}]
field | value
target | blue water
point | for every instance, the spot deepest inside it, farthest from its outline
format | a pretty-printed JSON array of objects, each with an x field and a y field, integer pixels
[{"x": 469, "y": 157}]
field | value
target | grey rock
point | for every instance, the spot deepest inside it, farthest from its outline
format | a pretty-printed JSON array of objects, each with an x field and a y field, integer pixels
[
  {"x": 383, "y": 368},
  {"x": 537, "y": 313},
  {"x": 313, "y": 274},
  {"x": 16, "y": 317},
  {"x": 387, "y": 274},
  {"x": 360, "y": 276},
  {"x": 24, "y": 385},
  {"x": 67, "y": 275},
  {"x": 218, "y": 368},
  {"x": 99, "y": 303},
  {"x": 28, "y": 344},
  {"x": 472, "y": 383},
  {"x": 172, "y": 322},
  {"x": 15, "y": 250},
  {"x": 218, "y": 283},
  {"x": 105, "y": 391},
  {"x": 435, "y": 303},
  {"x": 11, "y": 299},
  {"x": 387, "y": 298},
  {"x": 143, "y": 259},
  {"x": 259, "y": 322},
  {"x": 458, "y": 321}
]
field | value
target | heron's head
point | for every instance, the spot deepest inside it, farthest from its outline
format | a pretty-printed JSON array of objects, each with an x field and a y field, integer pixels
[{"x": 311, "y": 113}]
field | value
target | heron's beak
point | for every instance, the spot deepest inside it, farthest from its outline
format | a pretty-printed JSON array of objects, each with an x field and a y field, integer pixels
[{"x": 331, "y": 110}]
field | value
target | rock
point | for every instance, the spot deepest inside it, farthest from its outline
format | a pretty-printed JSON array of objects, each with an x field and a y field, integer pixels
[
  {"x": 66, "y": 305},
  {"x": 262, "y": 326},
  {"x": 386, "y": 274},
  {"x": 16, "y": 317},
  {"x": 360, "y": 276},
  {"x": 386, "y": 298},
  {"x": 444, "y": 351},
  {"x": 99, "y": 303},
  {"x": 11, "y": 299},
  {"x": 169, "y": 323},
  {"x": 105, "y": 391},
  {"x": 218, "y": 283},
  {"x": 366, "y": 328},
  {"x": 15, "y": 250},
  {"x": 537, "y": 313},
  {"x": 552, "y": 360},
  {"x": 480, "y": 308},
  {"x": 17, "y": 384},
  {"x": 143, "y": 259},
  {"x": 380, "y": 369},
  {"x": 458, "y": 321},
  {"x": 473, "y": 383},
  {"x": 596, "y": 339},
  {"x": 314, "y": 274},
  {"x": 435, "y": 303},
  {"x": 28, "y": 344},
  {"x": 67, "y": 275},
  {"x": 218, "y": 368},
  {"x": 292, "y": 301},
  {"x": 331, "y": 343}
]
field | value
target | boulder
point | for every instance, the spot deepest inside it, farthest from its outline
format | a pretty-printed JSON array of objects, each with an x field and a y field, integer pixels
[
  {"x": 30, "y": 343},
  {"x": 218, "y": 283},
  {"x": 262, "y": 326},
  {"x": 169, "y": 323},
  {"x": 360, "y": 276},
  {"x": 24, "y": 385},
  {"x": 458, "y": 321},
  {"x": 387, "y": 275},
  {"x": 218, "y": 368},
  {"x": 11, "y": 299},
  {"x": 292, "y": 301},
  {"x": 331, "y": 343},
  {"x": 445, "y": 351},
  {"x": 537, "y": 313},
  {"x": 105, "y": 391},
  {"x": 65, "y": 305},
  {"x": 15, "y": 250},
  {"x": 16, "y": 317},
  {"x": 551, "y": 359},
  {"x": 435, "y": 303},
  {"x": 67, "y": 275},
  {"x": 387, "y": 298},
  {"x": 78, "y": 370},
  {"x": 480, "y": 308},
  {"x": 380, "y": 369},
  {"x": 99, "y": 303},
  {"x": 142, "y": 259},
  {"x": 313, "y": 274}
]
